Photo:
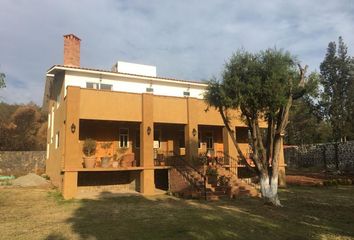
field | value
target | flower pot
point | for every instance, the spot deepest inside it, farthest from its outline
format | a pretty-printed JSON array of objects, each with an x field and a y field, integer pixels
[
  {"x": 90, "y": 162},
  {"x": 105, "y": 161},
  {"x": 115, "y": 164}
]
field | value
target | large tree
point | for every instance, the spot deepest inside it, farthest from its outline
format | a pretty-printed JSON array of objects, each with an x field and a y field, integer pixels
[
  {"x": 337, "y": 81},
  {"x": 263, "y": 86}
]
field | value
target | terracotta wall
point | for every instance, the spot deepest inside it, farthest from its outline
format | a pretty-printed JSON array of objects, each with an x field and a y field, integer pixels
[{"x": 107, "y": 105}]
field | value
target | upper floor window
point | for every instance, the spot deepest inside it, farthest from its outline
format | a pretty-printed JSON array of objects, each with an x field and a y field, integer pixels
[
  {"x": 149, "y": 89},
  {"x": 102, "y": 86},
  {"x": 123, "y": 138}
]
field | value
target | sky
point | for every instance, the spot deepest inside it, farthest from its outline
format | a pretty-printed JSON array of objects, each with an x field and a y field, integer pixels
[{"x": 184, "y": 39}]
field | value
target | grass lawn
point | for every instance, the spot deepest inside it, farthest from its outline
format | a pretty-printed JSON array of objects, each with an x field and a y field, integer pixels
[{"x": 308, "y": 213}]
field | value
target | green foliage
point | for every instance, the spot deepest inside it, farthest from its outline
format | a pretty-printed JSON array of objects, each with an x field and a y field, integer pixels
[
  {"x": 2, "y": 80},
  {"x": 306, "y": 124},
  {"x": 337, "y": 79},
  {"x": 211, "y": 171},
  {"x": 89, "y": 147}
]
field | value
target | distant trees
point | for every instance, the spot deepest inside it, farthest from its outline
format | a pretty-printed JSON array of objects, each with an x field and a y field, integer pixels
[
  {"x": 337, "y": 81},
  {"x": 327, "y": 114},
  {"x": 2, "y": 80},
  {"x": 22, "y": 127}
]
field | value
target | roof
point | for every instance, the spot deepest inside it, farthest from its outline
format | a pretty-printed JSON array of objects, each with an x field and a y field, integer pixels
[{"x": 100, "y": 71}]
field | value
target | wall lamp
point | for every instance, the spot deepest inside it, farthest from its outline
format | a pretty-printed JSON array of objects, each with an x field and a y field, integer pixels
[
  {"x": 194, "y": 132},
  {"x": 73, "y": 128},
  {"x": 148, "y": 130}
]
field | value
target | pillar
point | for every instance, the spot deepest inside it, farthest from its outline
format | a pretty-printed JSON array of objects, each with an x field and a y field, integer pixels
[
  {"x": 147, "y": 181},
  {"x": 69, "y": 185},
  {"x": 73, "y": 152},
  {"x": 229, "y": 150},
  {"x": 282, "y": 176},
  {"x": 191, "y": 130}
]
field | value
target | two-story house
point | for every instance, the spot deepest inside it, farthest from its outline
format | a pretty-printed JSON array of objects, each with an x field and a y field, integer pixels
[{"x": 137, "y": 113}]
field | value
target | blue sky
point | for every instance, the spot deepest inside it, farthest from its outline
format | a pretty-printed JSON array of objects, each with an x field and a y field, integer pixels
[{"x": 184, "y": 39}]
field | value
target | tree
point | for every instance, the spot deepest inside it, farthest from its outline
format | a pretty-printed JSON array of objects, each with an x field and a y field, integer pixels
[
  {"x": 2, "y": 80},
  {"x": 22, "y": 127},
  {"x": 306, "y": 123},
  {"x": 263, "y": 86},
  {"x": 337, "y": 81}
]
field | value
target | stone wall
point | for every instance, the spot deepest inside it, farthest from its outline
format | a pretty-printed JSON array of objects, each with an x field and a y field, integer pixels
[
  {"x": 20, "y": 163},
  {"x": 328, "y": 156}
]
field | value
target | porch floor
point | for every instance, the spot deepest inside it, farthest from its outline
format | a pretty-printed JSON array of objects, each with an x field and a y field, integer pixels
[{"x": 110, "y": 169}]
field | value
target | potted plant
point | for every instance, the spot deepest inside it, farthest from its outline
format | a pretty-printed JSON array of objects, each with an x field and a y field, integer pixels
[
  {"x": 89, "y": 150},
  {"x": 212, "y": 175},
  {"x": 106, "y": 159}
]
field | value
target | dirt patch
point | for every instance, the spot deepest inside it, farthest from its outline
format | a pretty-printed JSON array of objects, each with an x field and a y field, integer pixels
[
  {"x": 31, "y": 180},
  {"x": 303, "y": 180},
  {"x": 314, "y": 179}
]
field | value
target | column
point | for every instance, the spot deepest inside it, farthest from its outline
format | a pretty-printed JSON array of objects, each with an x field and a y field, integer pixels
[
  {"x": 69, "y": 185},
  {"x": 73, "y": 152},
  {"x": 230, "y": 150},
  {"x": 282, "y": 176},
  {"x": 147, "y": 181},
  {"x": 191, "y": 131}
]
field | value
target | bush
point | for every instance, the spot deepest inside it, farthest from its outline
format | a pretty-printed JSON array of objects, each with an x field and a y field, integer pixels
[{"x": 89, "y": 147}]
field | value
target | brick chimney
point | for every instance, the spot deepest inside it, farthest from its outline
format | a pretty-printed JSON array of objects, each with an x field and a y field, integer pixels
[{"x": 71, "y": 50}]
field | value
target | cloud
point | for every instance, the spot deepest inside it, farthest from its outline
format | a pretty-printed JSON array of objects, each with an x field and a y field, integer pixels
[{"x": 184, "y": 39}]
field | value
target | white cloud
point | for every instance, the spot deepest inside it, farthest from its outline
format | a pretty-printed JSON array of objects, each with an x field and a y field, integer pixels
[{"x": 184, "y": 39}]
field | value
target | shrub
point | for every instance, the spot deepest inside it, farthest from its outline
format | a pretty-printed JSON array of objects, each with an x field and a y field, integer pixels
[{"x": 89, "y": 147}]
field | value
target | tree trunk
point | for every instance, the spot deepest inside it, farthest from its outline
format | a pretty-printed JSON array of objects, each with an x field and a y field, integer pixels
[{"x": 269, "y": 189}]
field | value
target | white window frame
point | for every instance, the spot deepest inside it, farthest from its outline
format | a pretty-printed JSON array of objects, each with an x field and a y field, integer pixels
[
  {"x": 52, "y": 127},
  {"x": 122, "y": 135},
  {"x": 97, "y": 86},
  {"x": 207, "y": 137},
  {"x": 57, "y": 139}
]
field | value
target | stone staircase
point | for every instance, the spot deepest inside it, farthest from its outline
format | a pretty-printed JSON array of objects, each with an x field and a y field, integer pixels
[{"x": 200, "y": 187}]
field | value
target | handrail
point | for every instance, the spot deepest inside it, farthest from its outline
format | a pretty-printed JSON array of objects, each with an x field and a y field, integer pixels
[{"x": 186, "y": 163}]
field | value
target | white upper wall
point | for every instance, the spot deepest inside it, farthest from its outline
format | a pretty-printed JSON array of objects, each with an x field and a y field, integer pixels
[
  {"x": 138, "y": 69},
  {"x": 135, "y": 84}
]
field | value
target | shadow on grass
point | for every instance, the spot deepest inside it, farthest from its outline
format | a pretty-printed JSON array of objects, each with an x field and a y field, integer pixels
[{"x": 309, "y": 213}]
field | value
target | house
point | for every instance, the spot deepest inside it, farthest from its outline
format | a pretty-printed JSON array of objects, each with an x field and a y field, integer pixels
[{"x": 159, "y": 122}]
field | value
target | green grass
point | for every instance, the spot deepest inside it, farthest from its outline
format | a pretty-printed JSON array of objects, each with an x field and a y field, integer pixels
[{"x": 308, "y": 213}]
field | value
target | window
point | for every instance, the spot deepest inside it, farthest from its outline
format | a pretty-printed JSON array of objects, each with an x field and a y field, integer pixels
[
  {"x": 209, "y": 140},
  {"x": 58, "y": 100},
  {"x": 48, "y": 150},
  {"x": 156, "y": 139},
  {"x": 123, "y": 138},
  {"x": 57, "y": 140},
  {"x": 52, "y": 126},
  {"x": 106, "y": 86},
  {"x": 181, "y": 140},
  {"x": 186, "y": 93},
  {"x": 149, "y": 89},
  {"x": 199, "y": 140},
  {"x": 92, "y": 85},
  {"x": 137, "y": 138},
  {"x": 102, "y": 86},
  {"x": 242, "y": 134}
]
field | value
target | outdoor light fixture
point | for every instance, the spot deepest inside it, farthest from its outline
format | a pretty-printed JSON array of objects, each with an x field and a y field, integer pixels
[
  {"x": 73, "y": 128},
  {"x": 194, "y": 132},
  {"x": 148, "y": 130}
]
